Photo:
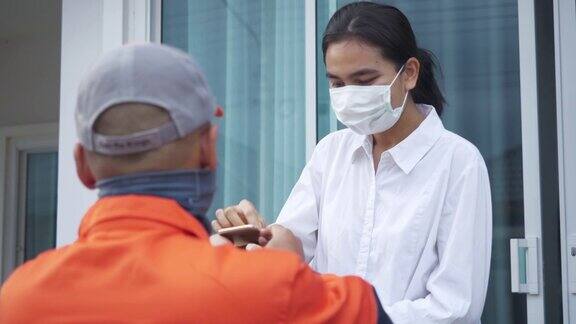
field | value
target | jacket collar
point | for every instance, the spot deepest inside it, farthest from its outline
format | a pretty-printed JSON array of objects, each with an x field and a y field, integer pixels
[{"x": 156, "y": 211}]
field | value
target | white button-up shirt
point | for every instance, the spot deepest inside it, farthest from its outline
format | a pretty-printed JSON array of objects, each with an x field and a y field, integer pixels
[{"x": 418, "y": 228}]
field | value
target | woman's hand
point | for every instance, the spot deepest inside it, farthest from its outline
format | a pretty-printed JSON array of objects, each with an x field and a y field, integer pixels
[
  {"x": 280, "y": 238},
  {"x": 242, "y": 214},
  {"x": 271, "y": 237}
]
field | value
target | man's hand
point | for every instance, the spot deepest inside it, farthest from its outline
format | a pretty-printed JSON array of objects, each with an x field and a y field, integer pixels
[
  {"x": 242, "y": 214},
  {"x": 218, "y": 240}
]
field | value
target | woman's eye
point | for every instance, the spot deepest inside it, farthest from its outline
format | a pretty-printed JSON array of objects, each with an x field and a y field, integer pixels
[
  {"x": 336, "y": 84},
  {"x": 366, "y": 82}
]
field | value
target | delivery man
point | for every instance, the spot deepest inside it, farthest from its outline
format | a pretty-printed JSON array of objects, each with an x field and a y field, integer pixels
[{"x": 143, "y": 253}]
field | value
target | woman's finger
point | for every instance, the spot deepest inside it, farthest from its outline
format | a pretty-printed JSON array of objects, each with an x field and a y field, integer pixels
[
  {"x": 218, "y": 240},
  {"x": 251, "y": 213},
  {"x": 216, "y": 226},
  {"x": 266, "y": 233},
  {"x": 234, "y": 216},
  {"x": 262, "y": 241},
  {"x": 222, "y": 220},
  {"x": 252, "y": 247}
]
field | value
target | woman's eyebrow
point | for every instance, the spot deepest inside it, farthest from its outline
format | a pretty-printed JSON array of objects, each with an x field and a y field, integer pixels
[
  {"x": 362, "y": 72},
  {"x": 331, "y": 76},
  {"x": 359, "y": 73}
]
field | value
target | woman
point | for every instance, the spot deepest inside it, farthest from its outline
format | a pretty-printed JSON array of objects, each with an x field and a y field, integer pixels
[{"x": 395, "y": 198}]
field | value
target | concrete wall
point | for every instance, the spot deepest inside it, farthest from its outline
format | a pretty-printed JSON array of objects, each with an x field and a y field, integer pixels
[
  {"x": 89, "y": 29},
  {"x": 29, "y": 61}
]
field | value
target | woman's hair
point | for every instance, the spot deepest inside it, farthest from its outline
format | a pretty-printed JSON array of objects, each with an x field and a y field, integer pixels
[{"x": 386, "y": 28}]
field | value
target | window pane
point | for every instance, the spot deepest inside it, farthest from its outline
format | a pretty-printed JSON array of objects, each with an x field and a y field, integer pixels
[
  {"x": 326, "y": 121},
  {"x": 41, "y": 189},
  {"x": 477, "y": 48},
  {"x": 325, "y": 117},
  {"x": 252, "y": 52}
]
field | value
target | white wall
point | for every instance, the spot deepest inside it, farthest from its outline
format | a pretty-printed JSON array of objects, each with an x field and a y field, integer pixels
[
  {"x": 29, "y": 103},
  {"x": 89, "y": 28},
  {"x": 81, "y": 46}
]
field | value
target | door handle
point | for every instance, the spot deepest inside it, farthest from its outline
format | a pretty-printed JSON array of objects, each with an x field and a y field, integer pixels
[
  {"x": 524, "y": 265},
  {"x": 572, "y": 264}
]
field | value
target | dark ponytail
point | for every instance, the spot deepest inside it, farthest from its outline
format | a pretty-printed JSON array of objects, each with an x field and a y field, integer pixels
[
  {"x": 427, "y": 90},
  {"x": 387, "y": 28}
]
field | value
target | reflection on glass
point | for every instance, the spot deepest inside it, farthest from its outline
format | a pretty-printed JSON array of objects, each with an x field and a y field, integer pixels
[
  {"x": 41, "y": 190},
  {"x": 477, "y": 48},
  {"x": 522, "y": 264},
  {"x": 252, "y": 52},
  {"x": 326, "y": 121}
]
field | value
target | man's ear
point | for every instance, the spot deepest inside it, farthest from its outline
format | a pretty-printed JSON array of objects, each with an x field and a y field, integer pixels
[
  {"x": 208, "y": 146},
  {"x": 82, "y": 168}
]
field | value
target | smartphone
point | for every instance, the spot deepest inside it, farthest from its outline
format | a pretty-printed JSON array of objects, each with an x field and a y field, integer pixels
[{"x": 241, "y": 235}]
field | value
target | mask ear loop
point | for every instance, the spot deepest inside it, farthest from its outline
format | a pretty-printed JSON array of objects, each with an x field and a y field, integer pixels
[
  {"x": 397, "y": 74},
  {"x": 405, "y": 96}
]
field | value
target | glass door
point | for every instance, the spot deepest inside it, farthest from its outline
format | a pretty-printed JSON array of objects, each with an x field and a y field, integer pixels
[
  {"x": 477, "y": 47},
  {"x": 252, "y": 53},
  {"x": 38, "y": 182},
  {"x": 565, "y": 48},
  {"x": 28, "y": 218}
]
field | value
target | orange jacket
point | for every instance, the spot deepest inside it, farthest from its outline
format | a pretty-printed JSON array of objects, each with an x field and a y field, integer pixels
[{"x": 145, "y": 259}]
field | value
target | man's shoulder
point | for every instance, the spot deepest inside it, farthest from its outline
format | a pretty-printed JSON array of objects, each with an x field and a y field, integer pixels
[
  {"x": 181, "y": 270},
  {"x": 25, "y": 280},
  {"x": 43, "y": 261}
]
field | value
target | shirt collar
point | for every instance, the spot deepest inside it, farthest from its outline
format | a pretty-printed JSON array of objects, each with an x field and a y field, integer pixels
[
  {"x": 156, "y": 211},
  {"x": 413, "y": 148}
]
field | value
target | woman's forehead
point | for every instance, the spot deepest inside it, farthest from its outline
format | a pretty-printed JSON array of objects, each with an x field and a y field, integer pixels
[{"x": 350, "y": 56}]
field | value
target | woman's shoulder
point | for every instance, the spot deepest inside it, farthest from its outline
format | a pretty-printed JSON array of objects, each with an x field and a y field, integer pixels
[
  {"x": 338, "y": 146},
  {"x": 463, "y": 152},
  {"x": 344, "y": 138}
]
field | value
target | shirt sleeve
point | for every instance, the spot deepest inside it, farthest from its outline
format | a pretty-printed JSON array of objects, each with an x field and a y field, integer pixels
[
  {"x": 331, "y": 299},
  {"x": 457, "y": 286},
  {"x": 301, "y": 210}
]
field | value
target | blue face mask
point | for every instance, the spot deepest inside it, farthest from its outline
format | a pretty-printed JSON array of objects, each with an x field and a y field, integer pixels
[{"x": 192, "y": 189}]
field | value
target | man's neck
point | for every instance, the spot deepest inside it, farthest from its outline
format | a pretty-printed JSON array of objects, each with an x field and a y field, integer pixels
[{"x": 192, "y": 189}]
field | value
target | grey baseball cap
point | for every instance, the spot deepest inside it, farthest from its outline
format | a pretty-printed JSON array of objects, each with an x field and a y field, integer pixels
[{"x": 146, "y": 73}]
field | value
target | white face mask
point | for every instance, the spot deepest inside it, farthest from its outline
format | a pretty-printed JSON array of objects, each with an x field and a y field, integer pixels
[{"x": 366, "y": 110}]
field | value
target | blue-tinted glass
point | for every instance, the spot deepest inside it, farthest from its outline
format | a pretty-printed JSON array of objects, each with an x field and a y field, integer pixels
[
  {"x": 252, "y": 52},
  {"x": 40, "y": 215},
  {"x": 522, "y": 255},
  {"x": 326, "y": 121},
  {"x": 476, "y": 43}
]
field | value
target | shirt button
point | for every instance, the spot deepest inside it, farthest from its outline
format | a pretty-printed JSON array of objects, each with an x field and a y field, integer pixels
[{"x": 385, "y": 157}]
